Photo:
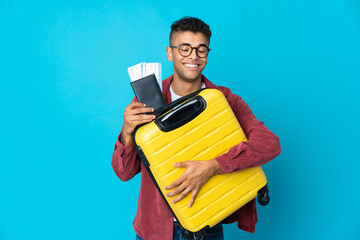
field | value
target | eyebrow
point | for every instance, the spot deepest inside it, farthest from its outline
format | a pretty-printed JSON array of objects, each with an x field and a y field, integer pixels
[{"x": 201, "y": 44}]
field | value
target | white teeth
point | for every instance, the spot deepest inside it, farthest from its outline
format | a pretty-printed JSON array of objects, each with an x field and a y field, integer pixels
[{"x": 191, "y": 65}]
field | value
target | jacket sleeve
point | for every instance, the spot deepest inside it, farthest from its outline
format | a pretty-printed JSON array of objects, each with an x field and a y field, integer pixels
[
  {"x": 262, "y": 145},
  {"x": 125, "y": 161}
]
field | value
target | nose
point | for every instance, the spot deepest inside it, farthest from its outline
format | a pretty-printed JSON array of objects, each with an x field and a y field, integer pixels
[{"x": 193, "y": 54}]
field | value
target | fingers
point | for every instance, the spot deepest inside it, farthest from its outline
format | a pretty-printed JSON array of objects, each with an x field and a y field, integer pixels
[
  {"x": 181, "y": 195},
  {"x": 183, "y": 190},
  {"x": 174, "y": 185},
  {"x": 137, "y": 108},
  {"x": 131, "y": 121},
  {"x": 134, "y": 116},
  {"x": 141, "y": 110},
  {"x": 179, "y": 180},
  {"x": 193, "y": 196},
  {"x": 182, "y": 164},
  {"x": 138, "y": 118},
  {"x": 197, "y": 173},
  {"x": 135, "y": 105}
]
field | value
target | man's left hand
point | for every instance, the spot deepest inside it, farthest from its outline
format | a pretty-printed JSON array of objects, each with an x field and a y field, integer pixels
[{"x": 197, "y": 173}]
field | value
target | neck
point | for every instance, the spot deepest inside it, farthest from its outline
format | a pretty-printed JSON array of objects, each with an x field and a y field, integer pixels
[{"x": 183, "y": 88}]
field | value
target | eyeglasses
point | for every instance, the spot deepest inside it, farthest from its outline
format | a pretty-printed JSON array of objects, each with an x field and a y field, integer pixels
[{"x": 185, "y": 50}]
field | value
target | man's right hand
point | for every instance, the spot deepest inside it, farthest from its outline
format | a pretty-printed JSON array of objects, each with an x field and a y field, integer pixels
[{"x": 133, "y": 116}]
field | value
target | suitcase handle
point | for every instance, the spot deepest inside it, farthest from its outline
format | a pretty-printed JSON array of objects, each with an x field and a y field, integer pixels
[{"x": 181, "y": 114}]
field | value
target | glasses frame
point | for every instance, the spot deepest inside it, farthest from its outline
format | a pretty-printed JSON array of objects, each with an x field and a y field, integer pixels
[{"x": 196, "y": 49}]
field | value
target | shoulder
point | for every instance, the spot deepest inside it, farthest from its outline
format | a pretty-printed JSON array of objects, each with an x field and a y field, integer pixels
[
  {"x": 234, "y": 100},
  {"x": 236, "y": 103},
  {"x": 225, "y": 90}
]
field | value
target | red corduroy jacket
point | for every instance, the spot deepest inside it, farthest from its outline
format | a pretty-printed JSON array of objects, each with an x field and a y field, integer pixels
[{"x": 154, "y": 219}]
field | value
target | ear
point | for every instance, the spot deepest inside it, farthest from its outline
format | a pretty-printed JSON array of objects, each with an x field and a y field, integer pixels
[{"x": 169, "y": 53}]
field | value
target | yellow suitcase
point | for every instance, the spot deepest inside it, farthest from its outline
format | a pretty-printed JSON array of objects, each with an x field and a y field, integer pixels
[{"x": 200, "y": 126}]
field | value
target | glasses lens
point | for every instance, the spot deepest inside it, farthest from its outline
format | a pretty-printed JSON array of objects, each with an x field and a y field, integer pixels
[
  {"x": 202, "y": 51},
  {"x": 185, "y": 50}
]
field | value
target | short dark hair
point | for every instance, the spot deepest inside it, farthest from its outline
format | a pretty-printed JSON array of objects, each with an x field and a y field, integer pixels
[{"x": 191, "y": 24}]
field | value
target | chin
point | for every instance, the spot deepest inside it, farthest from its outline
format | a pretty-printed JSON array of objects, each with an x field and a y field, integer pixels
[{"x": 191, "y": 78}]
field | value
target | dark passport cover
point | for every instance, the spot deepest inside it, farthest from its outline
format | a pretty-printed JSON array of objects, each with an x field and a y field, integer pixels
[{"x": 147, "y": 90}]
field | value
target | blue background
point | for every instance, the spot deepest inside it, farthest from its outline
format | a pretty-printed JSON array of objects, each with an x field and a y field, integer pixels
[{"x": 64, "y": 87}]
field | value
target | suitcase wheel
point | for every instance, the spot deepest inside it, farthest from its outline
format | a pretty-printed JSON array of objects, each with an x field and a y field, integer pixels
[{"x": 263, "y": 197}]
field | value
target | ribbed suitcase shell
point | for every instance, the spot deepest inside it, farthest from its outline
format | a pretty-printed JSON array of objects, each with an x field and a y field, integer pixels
[{"x": 209, "y": 135}]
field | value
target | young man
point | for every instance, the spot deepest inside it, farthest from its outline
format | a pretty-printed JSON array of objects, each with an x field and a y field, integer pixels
[{"x": 188, "y": 50}]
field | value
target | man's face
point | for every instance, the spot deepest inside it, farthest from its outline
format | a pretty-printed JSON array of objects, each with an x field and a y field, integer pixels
[{"x": 187, "y": 68}]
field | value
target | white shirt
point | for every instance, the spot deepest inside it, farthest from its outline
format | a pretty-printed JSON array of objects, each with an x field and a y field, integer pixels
[{"x": 174, "y": 96}]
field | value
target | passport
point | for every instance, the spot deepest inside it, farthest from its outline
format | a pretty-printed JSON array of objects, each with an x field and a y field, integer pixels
[{"x": 147, "y": 91}]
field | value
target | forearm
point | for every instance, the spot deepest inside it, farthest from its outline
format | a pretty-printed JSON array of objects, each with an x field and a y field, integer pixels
[
  {"x": 125, "y": 139},
  {"x": 261, "y": 146},
  {"x": 125, "y": 161}
]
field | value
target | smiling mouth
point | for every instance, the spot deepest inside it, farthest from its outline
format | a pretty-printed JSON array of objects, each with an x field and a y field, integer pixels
[{"x": 191, "y": 66}]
